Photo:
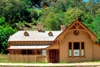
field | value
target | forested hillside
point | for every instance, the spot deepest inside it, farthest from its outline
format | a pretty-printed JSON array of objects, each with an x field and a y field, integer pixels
[{"x": 25, "y": 14}]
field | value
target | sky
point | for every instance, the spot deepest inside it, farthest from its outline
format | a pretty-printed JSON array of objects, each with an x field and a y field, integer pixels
[{"x": 87, "y": 0}]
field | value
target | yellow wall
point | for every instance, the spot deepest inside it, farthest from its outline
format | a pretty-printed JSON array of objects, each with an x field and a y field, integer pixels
[
  {"x": 70, "y": 37},
  {"x": 96, "y": 52}
]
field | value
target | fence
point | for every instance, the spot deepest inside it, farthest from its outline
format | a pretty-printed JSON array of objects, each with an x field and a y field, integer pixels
[
  {"x": 3, "y": 58},
  {"x": 25, "y": 58}
]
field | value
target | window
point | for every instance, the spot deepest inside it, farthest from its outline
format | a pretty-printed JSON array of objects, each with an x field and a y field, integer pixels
[
  {"x": 38, "y": 51},
  {"x": 76, "y": 32},
  {"x": 76, "y": 49},
  {"x": 12, "y": 51},
  {"x": 43, "y": 52},
  {"x": 23, "y": 52},
  {"x": 33, "y": 52},
  {"x": 70, "y": 49},
  {"x": 82, "y": 49},
  {"x": 29, "y": 52}
]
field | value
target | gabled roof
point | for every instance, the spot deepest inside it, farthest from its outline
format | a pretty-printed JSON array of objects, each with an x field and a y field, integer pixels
[
  {"x": 34, "y": 36},
  {"x": 57, "y": 35},
  {"x": 60, "y": 37}
]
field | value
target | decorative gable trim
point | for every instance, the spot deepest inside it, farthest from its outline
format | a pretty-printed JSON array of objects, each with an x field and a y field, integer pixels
[{"x": 77, "y": 25}]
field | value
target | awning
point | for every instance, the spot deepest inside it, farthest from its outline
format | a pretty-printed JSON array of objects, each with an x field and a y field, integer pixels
[{"x": 28, "y": 46}]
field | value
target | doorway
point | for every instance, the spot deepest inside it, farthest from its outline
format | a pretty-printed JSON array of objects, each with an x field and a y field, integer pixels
[{"x": 53, "y": 56}]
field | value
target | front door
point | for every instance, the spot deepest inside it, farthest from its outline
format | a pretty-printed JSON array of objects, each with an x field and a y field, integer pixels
[{"x": 53, "y": 56}]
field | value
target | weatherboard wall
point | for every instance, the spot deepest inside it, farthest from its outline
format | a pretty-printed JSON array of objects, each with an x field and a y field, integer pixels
[
  {"x": 96, "y": 52},
  {"x": 70, "y": 37}
]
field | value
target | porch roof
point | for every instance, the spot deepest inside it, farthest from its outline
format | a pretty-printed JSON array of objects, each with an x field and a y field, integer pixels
[{"x": 28, "y": 46}]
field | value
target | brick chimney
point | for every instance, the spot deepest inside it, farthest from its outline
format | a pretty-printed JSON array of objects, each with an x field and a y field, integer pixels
[
  {"x": 63, "y": 27},
  {"x": 40, "y": 26}
]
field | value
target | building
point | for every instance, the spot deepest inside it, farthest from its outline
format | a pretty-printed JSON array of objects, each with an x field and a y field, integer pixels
[{"x": 75, "y": 43}]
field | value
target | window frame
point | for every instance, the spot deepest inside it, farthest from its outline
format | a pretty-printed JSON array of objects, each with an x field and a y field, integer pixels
[
  {"x": 34, "y": 51},
  {"x": 22, "y": 52},
  {"x": 29, "y": 52},
  {"x": 69, "y": 49},
  {"x": 44, "y": 52},
  {"x": 80, "y": 44}
]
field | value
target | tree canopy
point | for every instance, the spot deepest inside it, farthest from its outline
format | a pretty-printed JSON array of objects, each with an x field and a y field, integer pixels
[{"x": 25, "y": 14}]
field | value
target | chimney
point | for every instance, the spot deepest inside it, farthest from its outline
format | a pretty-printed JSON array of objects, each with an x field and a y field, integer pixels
[
  {"x": 63, "y": 27},
  {"x": 40, "y": 27}
]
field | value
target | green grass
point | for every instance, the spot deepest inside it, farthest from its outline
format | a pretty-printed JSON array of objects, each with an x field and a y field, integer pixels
[
  {"x": 91, "y": 62},
  {"x": 63, "y": 62}
]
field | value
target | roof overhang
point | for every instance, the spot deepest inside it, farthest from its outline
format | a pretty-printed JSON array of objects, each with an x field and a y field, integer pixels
[
  {"x": 28, "y": 47},
  {"x": 53, "y": 46}
]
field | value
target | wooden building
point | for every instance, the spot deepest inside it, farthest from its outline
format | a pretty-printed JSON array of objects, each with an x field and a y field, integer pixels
[{"x": 75, "y": 43}]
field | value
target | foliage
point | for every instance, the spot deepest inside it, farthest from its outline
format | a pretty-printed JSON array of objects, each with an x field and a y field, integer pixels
[
  {"x": 96, "y": 26},
  {"x": 70, "y": 16},
  {"x": 5, "y": 32},
  {"x": 59, "y": 6},
  {"x": 47, "y": 10},
  {"x": 2, "y": 20},
  {"x": 28, "y": 2},
  {"x": 35, "y": 13},
  {"x": 53, "y": 20},
  {"x": 14, "y": 11},
  {"x": 97, "y": 12},
  {"x": 19, "y": 14}
]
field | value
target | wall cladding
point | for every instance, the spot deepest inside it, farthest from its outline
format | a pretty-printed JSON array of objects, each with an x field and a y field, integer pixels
[{"x": 96, "y": 52}]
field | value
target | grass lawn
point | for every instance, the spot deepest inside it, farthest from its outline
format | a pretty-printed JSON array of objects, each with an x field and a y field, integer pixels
[{"x": 91, "y": 62}]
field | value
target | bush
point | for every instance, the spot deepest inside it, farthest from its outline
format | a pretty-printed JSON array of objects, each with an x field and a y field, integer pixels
[
  {"x": 5, "y": 32},
  {"x": 2, "y": 20}
]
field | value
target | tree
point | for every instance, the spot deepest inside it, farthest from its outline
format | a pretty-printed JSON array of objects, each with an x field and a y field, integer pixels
[
  {"x": 60, "y": 6},
  {"x": 46, "y": 11},
  {"x": 14, "y": 11},
  {"x": 96, "y": 25},
  {"x": 90, "y": 5},
  {"x": 51, "y": 23},
  {"x": 70, "y": 16},
  {"x": 2, "y": 20},
  {"x": 53, "y": 20},
  {"x": 5, "y": 32},
  {"x": 28, "y": 2}
]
